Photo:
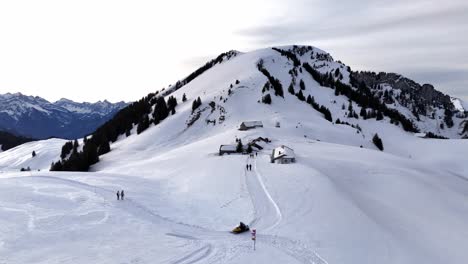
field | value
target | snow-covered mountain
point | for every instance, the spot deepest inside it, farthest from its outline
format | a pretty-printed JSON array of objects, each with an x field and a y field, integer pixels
[
  {"x": 342, "y": 201},
  {"x": 38, "y": 118}
]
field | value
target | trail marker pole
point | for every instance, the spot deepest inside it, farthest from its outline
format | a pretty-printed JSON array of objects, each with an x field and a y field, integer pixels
[{"x": 254, "y": 237}]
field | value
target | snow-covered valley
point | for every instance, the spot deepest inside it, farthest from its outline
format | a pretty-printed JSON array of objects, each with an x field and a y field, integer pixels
[{"x": 342, "y": 201}]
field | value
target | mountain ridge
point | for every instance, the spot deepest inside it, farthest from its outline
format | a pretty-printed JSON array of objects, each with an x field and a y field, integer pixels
[
  {"x": 36, "y": 117},
  {"x": 361, "y": 100}
]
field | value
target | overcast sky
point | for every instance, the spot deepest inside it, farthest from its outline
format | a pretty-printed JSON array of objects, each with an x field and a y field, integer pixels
[{"x": 91, "y": 50}]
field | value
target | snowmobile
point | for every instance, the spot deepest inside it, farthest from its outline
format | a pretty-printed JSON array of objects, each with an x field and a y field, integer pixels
[{"x": 240, "y": 229}]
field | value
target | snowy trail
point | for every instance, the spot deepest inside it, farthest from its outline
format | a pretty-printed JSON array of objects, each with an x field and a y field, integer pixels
[
  {"x": 267, "y": 212},
  {"x": 204, "y": 245},
  {"x": 267, "y": 217}
]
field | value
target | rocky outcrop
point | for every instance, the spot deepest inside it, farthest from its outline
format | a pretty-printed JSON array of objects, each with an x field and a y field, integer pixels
[{"x": 425, "y": 95}]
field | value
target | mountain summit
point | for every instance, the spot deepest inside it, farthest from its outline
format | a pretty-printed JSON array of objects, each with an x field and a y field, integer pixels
[
  {"x": 296, "y": 87},
  {"x": 36, "y": 117}
]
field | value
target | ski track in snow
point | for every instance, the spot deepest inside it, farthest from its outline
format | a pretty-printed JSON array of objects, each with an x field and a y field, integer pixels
[
  {"x": 277, "y": 217},
  {"x": 211, "y": 246},
  {"x": 267, "y": 215},
  {"x": 215, "y": 246}
]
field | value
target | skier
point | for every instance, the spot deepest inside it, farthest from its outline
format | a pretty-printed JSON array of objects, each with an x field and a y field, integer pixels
[
  {"x": 122, "y": 194},
  {"x": 247, "y": 166},
  {"x": 250, "y": 167},
  {"x": 118, "y": 195}
]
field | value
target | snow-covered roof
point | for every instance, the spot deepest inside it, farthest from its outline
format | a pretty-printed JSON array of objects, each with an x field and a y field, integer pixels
[
  {"x": 421, "y": 135},
  {"x": 228, "y": 148},
  {"x": 252, "y": 123},
  {"x": 283, "y": 152}
]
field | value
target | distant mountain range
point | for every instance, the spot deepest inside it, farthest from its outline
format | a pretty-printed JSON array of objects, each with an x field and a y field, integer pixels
[{"x": 35, "y": 117}]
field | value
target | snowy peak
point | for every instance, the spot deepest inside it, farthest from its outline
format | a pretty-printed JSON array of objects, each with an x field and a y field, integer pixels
[
  {"x": 36, "y": 117},
  {"x": 99, "y": 108},
  {"x": 459, "y": 104}
]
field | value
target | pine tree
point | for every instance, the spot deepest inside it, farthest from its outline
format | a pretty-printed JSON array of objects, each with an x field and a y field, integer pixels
[
  {"x": 184, "y": 98},
  {"x": 378, "y": 142},
  {"x": 57, "y": 166},
  {"x": 75, "y": 146},
  {"x": 143, "y": 124},
  {"x": 90, "y": 156},
  {"x": 249, "y": 149},
  {"x": 196, "y": 103},
  {"x": 300, "y": 95},
  {"x": 337, "y": 72},
  {"x": 161, "y": 110},
  {"x": 309, "y": 99},
  {"x": 194, "y": 106},
  {"x": 363, "y": 113},
  {"x": 291, "y": 89},
  {"x": 66, "y": 149},
  {"x": 302, "y": 85},
  {"x": 239, "y": 147},
  {"x": 379, "y": 116},
  {"x": 266, "y": 99},
  {"x": 171, "y": 103},
  {"x": 104, "y": 147}
]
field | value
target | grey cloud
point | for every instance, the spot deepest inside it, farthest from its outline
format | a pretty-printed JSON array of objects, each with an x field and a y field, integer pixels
[
  {"x": 423, "y": 39},
  {"x": 313, "y": 30}
]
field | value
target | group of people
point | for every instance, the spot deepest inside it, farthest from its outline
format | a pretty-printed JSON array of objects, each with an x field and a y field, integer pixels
[
  {"x": 120, "y": 195},
  {"x": 248, "y": 167},
  {"x": 253, "y": 155}
]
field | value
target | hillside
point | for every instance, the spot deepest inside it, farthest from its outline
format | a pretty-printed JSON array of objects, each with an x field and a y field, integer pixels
[
  {"x": 8, "y": 140},
  {"x": 21, "y": 156},
  {"x": 363, "y": 101},
  {"x": 342, "y": 201},
  {"x": 38, "y": 118}
]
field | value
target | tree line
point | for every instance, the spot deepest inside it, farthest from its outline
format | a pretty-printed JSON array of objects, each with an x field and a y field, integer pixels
[
  {"x": 138, "y": 114},
  {"x": 8, "y": 140},
  {"x": 362, "y": 96},
  {"x": 277, "y": 86}
]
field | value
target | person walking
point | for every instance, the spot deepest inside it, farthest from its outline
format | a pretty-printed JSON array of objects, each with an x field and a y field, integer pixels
[
  {"x": 122, "y": 194},
  {"x": 118, "y": 195}
]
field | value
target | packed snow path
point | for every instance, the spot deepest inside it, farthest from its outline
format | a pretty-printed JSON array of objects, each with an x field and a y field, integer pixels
[
  {"x": 267, "y": 213},
  {"x": 95, "y": 206},
  {"x": 267, "y": 216}
]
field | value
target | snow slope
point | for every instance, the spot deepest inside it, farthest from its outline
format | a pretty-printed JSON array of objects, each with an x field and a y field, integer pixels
[
  {"x": 21, "y": 156},
  {"x": 339, "y": 203}
]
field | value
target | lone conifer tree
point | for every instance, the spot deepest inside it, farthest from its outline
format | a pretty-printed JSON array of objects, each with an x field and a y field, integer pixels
[{"x": 378, "y": 142}]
